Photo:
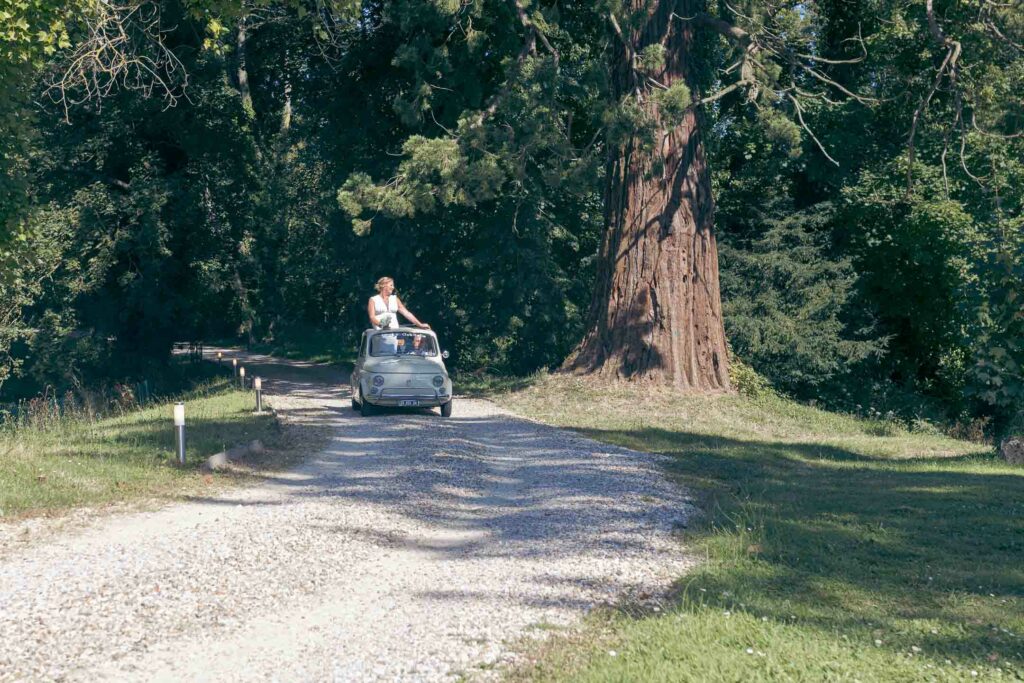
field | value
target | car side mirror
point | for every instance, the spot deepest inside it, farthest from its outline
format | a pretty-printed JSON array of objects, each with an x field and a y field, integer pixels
[{"x": 445, "y": 354}]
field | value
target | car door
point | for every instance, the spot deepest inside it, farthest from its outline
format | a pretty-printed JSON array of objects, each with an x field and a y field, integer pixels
[{"x": 358, "y": 367}]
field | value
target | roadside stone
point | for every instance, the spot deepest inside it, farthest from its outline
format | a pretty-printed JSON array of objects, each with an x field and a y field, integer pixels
[
  {"x": 222, "y": 460},
  {"x": 1012, "y": 450}
]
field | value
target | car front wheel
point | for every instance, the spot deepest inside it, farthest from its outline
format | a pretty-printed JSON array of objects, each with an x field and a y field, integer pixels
[
  {"x": 446, "y": 409},
  {"x": 365, "y": 409}
]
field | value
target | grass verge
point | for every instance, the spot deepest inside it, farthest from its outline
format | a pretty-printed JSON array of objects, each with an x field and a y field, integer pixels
[
  {"x": 316, "y": 347},
  {"x": 77, "y": 463},
  {"x": 835, "y": 548}
]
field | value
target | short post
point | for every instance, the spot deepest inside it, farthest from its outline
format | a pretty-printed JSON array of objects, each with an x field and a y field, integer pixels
[
  {"x": 241, "y": 376},
  {"x": 220, "y": 359},
  {"x": 179, "y": 429},
  {"x": 258, "y": 385},
  {"x": 234, "y": 367}
]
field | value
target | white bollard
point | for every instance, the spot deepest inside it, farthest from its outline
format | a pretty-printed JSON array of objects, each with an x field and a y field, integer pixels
[
  {"x": 179, "y": 429},
  {"x": 258, "y": 385},
  {"x": 234, "y": 367},
  {"x": 241, "y": 376}
]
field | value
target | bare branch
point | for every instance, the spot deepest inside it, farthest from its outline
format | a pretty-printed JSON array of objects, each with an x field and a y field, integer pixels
[
  {"x": 933, "y": 25},
  {"x": 863, "y": 99},
  {"x": 721, "y": 93},
  {"x": 947, "y": 68},
  {"x": 859, "y": 39},
  {"x": 993, "y": 29},
  {"x": 123, "y": 48},
  {"x": 530, "y": 25},
  {"x": 963, "y": 140},
  {"x": 800, "y": 117},
  {"x": 1001, "y": 136},
  {"x": 630, "y": 54}
]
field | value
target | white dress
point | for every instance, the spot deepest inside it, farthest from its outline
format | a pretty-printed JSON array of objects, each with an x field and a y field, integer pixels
[{"x": 390, "y": 308}]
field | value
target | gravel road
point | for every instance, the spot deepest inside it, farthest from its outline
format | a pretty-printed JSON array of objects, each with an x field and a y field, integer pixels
[{"x": 410, "y": 548}]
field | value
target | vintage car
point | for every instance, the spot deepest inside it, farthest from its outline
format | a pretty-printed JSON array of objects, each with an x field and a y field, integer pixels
[{"x": 401, "y": 367}]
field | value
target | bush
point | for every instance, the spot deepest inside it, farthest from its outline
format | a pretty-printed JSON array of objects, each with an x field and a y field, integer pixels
[{"x": 748, "y": 381}]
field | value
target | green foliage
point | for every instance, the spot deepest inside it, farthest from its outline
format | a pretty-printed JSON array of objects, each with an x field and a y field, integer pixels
[
  {"x": 434, "y": 173},
  {"x": 628, "y": 120},
  {"x": 786, "y": 301},
  {"x": 652, "y": 57},
  {"x": 918, "y": 259},
  {"x": 780, "y": 130},
  {"x": 673, "y": 102},
  {"x": 453, "y": 147},
  {"x": 997, "y": 377},
  {"x": 748, "y": 381},
  {"x": 30, "y": 30}
]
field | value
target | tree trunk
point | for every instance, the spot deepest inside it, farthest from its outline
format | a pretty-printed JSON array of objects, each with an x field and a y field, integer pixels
[
  {"x": 243, "y": 73},
  {"x": 286, "y": 112},
  {"x": 656, "y": 315}
]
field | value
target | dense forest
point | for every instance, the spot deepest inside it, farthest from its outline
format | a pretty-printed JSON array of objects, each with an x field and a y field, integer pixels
[{"x": 535, "y": 176}]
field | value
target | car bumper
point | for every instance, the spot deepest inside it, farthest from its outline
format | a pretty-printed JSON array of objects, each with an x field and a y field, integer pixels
[{"x": 408, "y": 400}]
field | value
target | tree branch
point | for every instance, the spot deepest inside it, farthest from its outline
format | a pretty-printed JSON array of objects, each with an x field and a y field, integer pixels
[
  {"x": 730, "y": 31},
  {"x": 948, "y": 67},
  {"x": 800, "y": 117}
]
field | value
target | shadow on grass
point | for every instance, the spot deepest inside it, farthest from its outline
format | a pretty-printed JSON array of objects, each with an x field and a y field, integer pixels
[
  {"x": 472, "y": 385},
  {"x": 846, "y": 542}
]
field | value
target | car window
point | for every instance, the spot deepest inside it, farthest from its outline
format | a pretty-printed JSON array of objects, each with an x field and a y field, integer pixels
[{"x": 402, "y": 344}]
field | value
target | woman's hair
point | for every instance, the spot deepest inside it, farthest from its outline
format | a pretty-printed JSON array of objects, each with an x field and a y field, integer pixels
[{"x": 380, "y": 283}]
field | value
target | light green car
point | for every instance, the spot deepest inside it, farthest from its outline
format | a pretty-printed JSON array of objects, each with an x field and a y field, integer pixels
[{"x": 402, "y": 367}]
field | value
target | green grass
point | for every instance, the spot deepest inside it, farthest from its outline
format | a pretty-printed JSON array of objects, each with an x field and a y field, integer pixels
[
  {"x": 79, "y": 463},
  {"x": 487, "y": 385},
  {"x": 316, "y": 347},
  {"x": 833, "y": 548}
]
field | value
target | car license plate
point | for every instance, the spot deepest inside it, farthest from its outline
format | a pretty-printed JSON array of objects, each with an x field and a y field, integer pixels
[{"x": 408, "y": 402}]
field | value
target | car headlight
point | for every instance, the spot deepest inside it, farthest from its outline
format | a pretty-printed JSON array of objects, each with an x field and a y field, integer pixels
[
  {"x": 378, "y": 380},
  {"x": 438, "y": 380}
]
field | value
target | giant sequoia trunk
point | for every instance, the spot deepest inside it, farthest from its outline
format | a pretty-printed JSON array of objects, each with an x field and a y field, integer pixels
[{"x": 656, "y": 315}]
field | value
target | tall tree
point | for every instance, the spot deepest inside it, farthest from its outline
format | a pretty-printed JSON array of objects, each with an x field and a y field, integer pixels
[{"x": 657, "y": 312}]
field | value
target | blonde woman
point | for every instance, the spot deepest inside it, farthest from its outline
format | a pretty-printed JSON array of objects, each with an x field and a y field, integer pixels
[{"x": 384, "y": 308}]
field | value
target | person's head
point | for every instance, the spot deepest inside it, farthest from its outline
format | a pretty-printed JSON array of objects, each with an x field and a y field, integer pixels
[
  {"x": 417, "y": 342},
  {"x": 385, "y": 286}
]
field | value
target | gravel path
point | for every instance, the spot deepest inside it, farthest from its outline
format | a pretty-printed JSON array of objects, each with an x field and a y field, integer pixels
[{"x": 411, "y": 548}]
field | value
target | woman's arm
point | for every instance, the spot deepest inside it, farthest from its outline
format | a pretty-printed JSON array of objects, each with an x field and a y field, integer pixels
[
  {"x": 405, "y": 311},
  {"x": 369, "y": 310}
]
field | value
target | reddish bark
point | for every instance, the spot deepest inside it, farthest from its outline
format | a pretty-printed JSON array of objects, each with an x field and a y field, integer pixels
[{"x": 657, "y": 314}]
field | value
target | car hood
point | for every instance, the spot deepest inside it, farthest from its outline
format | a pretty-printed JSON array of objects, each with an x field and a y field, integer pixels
[{"x": 404, "y": 364}]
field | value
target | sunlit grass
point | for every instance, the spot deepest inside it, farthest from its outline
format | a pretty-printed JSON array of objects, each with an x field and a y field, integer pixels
[
  {"x": 80, "y": 463},
  {"x": 834, "y": 548}
]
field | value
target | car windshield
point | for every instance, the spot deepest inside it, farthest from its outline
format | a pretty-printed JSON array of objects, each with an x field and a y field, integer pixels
[{"x": 402, "y": 344}]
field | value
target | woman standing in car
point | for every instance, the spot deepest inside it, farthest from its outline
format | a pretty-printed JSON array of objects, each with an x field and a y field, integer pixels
[{"x": 384, "y": 307}]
